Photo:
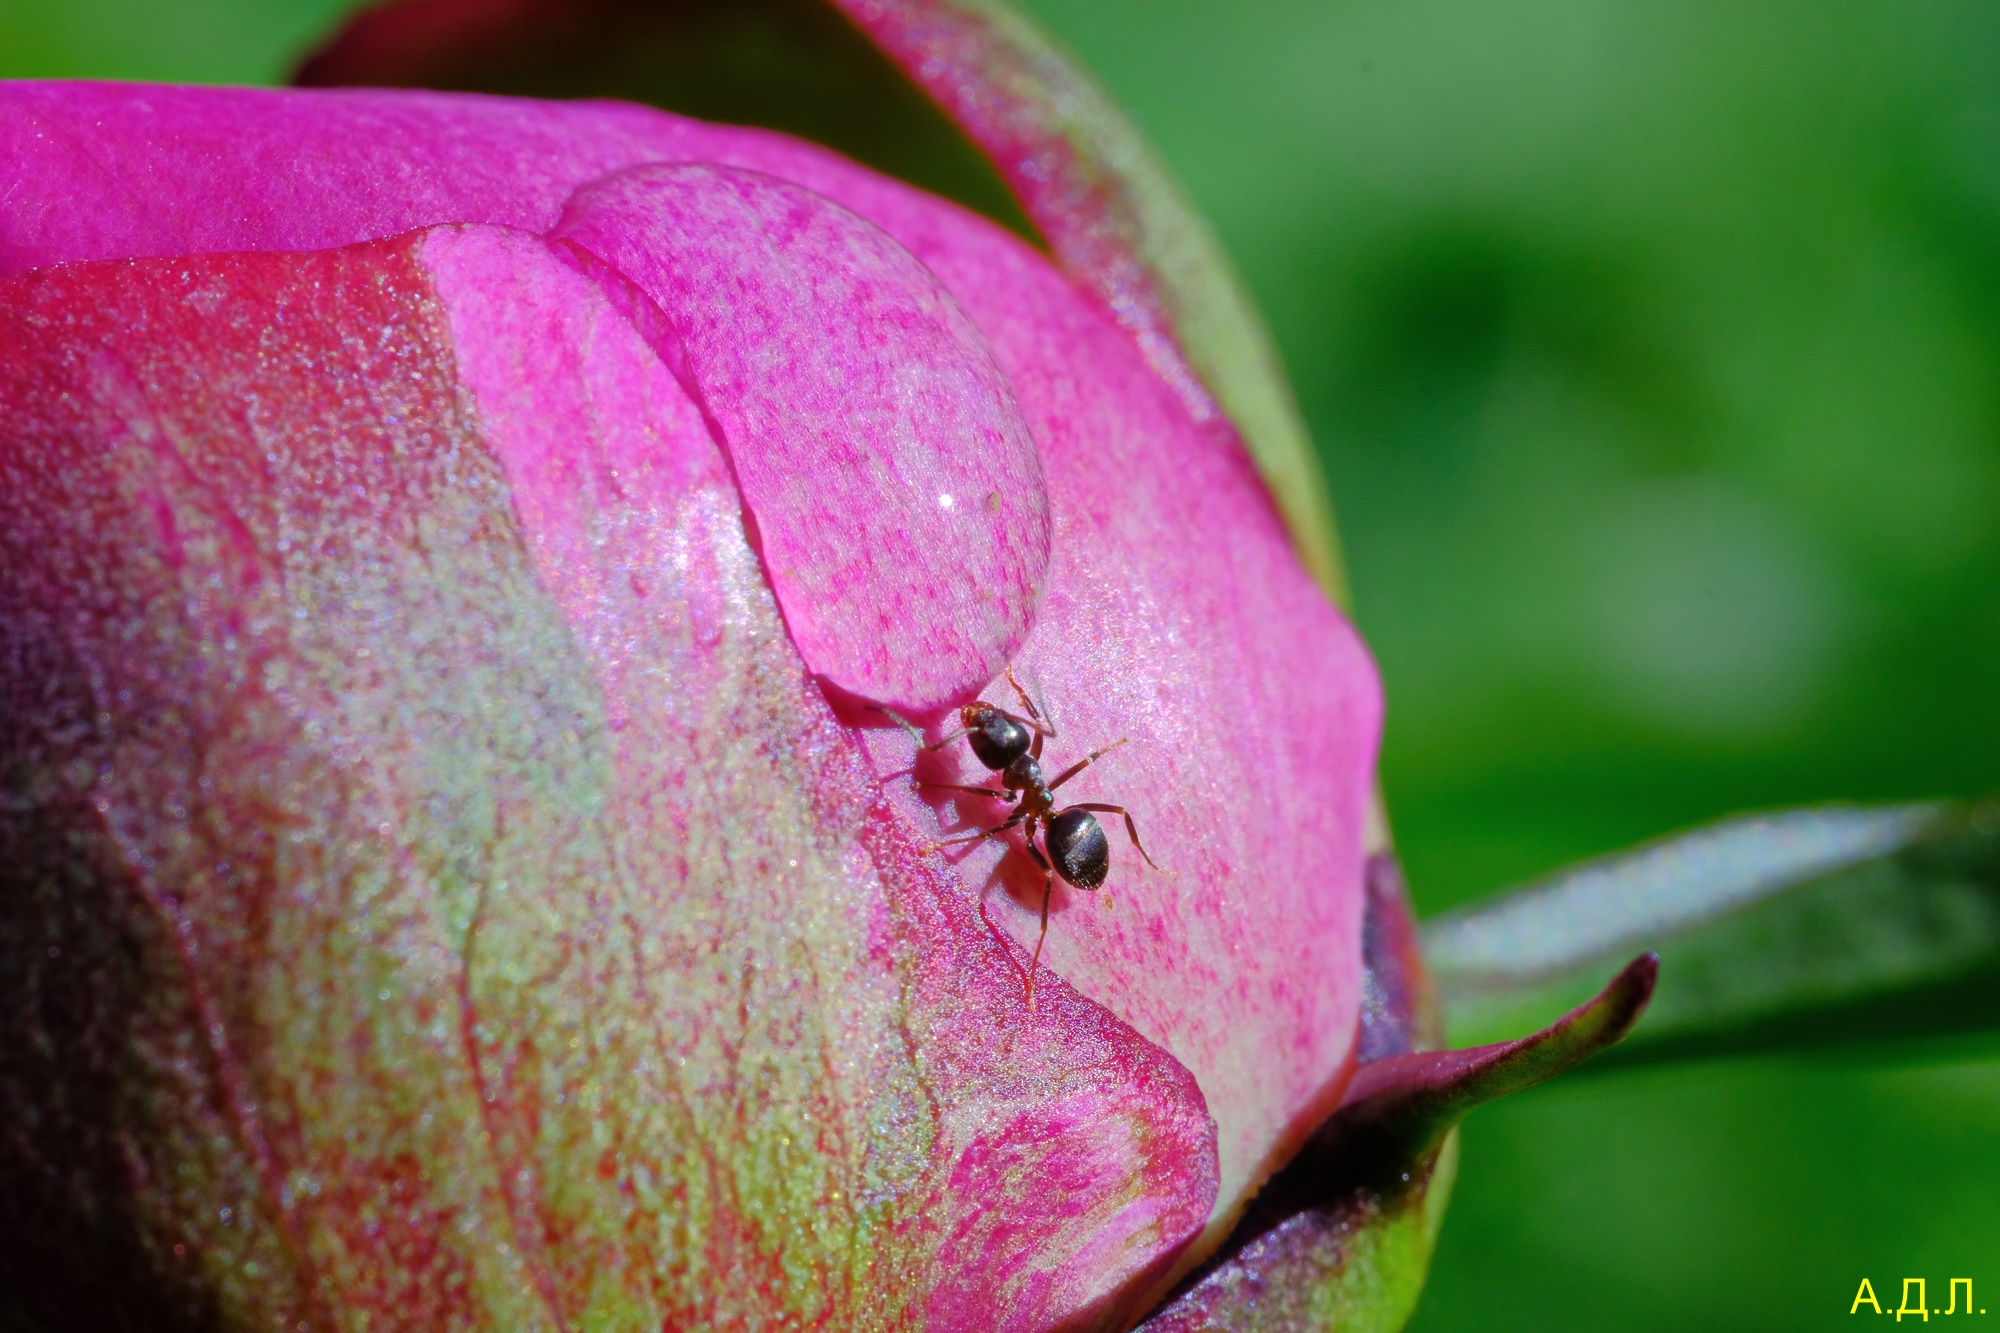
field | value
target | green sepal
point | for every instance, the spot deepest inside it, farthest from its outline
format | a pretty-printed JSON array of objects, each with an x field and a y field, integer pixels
[
  {"x": 1820, "y": 928},
  {"x": 1341, "y": 1237}
]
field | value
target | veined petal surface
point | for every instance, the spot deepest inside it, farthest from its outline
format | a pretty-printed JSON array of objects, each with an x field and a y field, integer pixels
[
  {"x": 511, "y": 935},
  {"x": 896, "y": 492},
  {"x": 1172, "y": 614},
  {"x": 1178, "y": 619}
]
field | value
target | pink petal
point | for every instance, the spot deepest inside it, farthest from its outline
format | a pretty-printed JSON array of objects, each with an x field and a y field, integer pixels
[
  {"x": 1113, "y": 217},
  {"x": 1177, "y": 616},
  {"x": 1115, "y": 220},
  {"x": 1013, "y": 1100},
  {"x": 517, "y": 937},
  {"x": 1173, "y": 612},
  {"x": 120, "y": 171},
  {"x": 1088, "y": 182},
  {"x": 897, "y": 497}
]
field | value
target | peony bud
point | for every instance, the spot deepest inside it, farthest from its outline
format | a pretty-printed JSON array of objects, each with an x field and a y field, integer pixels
[{"x": 454, "y": 871}]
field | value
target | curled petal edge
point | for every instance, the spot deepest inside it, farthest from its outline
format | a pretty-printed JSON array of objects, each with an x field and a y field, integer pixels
[{"x": 1341, "y": 1236}]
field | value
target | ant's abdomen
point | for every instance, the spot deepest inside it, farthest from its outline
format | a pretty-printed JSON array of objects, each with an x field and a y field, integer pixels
[{"x": 1077, "y": 845}]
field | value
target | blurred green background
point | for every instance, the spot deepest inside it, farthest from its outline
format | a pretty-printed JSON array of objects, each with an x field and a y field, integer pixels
[{"x": 1654, "y": 350}]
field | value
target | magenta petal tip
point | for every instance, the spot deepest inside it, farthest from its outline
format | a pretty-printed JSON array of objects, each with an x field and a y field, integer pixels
[{"x": 895, "y": 492}]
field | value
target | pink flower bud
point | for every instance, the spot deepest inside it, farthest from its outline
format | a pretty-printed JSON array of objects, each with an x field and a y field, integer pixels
[{"x": 454, "y": 871}]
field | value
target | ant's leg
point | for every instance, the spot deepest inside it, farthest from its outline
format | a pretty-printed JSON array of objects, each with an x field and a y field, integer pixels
[
  {"x": 1085, "y": 762},
  {"x": 977, "y": 834},
  {"x": 973, "y": 836},
  {"x": 1048, "y": 888},
  {"x": 917, "y": 734},
  {"x": 976, "y": 791},
  {"x": 1130, "y": 828},
  {"x": 1035, "y": 719},
  {"x": 1006, "y": 945},
  {"x": 903, "y": 722}
]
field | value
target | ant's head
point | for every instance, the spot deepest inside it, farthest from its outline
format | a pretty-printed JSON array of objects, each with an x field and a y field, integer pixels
[{"x": 996, "y": 738}]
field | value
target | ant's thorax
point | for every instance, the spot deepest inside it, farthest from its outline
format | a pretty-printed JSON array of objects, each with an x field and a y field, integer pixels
[{"x": 1025, "y": 776}]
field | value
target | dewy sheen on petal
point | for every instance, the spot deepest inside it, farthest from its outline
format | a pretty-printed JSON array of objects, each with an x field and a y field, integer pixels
[
  {"x": 1172, "y": 613},
  {"x": 937, "y": 1111},
  {"x": 897, "y": 496},
  {"x": 472, "y": 914},
  {"x": 1178, "y": 618},
  {"x": 127, "y": 170}
]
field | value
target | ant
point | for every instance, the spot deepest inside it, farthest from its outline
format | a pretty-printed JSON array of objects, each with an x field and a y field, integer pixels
[{"x": 1011, "y": 745}]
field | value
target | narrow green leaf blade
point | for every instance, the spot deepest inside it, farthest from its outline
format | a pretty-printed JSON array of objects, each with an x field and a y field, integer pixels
[{"x": 1839, "y": 926}]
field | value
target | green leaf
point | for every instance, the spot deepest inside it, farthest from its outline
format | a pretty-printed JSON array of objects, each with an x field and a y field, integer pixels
[{"x": 1818, "y": 928}]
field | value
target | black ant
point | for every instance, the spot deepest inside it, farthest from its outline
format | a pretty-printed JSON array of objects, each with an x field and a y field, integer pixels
[{"x": 1011, "y": 746}]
